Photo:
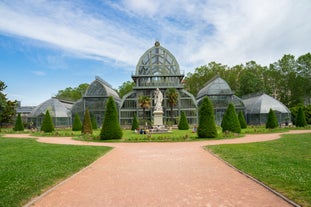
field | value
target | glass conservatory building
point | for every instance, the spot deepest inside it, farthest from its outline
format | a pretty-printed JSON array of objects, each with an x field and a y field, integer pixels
[
  {"x": 157, "y": 68},
  {"x": 59, "y": 111},
  {"x": 95, "y": 99},
  {"x": 220, "y": 94},
  {"x": 258, "y": 107}
]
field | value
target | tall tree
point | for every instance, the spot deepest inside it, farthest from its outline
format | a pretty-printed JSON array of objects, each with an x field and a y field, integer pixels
[
  {"x": 172, "y": 99},
  {"x": 207, "y": 125},
  {"x": 47, "y": 124},
  {"x": 145, "y": 103},
  {"x": 111, "y": 127},
  {"x": 7, "y": 107}
]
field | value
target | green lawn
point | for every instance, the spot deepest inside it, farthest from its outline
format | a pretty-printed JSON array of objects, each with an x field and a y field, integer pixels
[
  {"x": 27, "y": 167},
  {"x": 284, "y": 164}
]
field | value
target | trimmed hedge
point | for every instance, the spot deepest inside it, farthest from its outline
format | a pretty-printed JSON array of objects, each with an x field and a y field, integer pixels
[
  {"x": 76, "y": 126},
  {"x": 47, "y": 124},
  {"x": 301, "y": 118},
  {"x": 135, "y": 124},
  {"x": 207, "y": 125},
  {"x": 87, "y": 124},
  {"x": 242, "y": 120},
  {"x": 183, "y": 122},
  {"x": 271, "y": 121},
  {"x": 19, "y": 126}
]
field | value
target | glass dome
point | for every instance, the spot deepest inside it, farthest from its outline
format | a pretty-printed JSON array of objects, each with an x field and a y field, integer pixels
[
  {"x": 157, "y": 61},
  {"x": 216, "y": 86}
]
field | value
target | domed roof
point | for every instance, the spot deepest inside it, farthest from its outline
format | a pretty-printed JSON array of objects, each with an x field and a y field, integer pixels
[
  {"x": 216, "y": 86},
  {"x": 55, "y": 107},
  {"x": 157, "y": 61},
  {"x": 100, "y": 88},
  {"x": 261, "y": 105}
]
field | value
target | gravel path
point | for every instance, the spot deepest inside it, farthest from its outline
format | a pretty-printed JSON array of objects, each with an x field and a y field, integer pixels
[{"x": 158, "y": 174}]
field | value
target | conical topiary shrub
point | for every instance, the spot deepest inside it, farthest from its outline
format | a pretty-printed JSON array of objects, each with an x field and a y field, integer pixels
[
  {"x": 76, "y": 126},
  {"x": 19, "y": 126},
  {"x": 242, "y": 120},
  {"x": 271, "y": 121},
  {"x": 183, "y": 122},
  {"x": 230, "y": 121},
  {"x": 111, "y": 128},
  {"x": 87, "y": 124},
  {"x": 135, "y": 124},
  {"x": 207, "y": 125},
  {"x": 301, "y": 118},
  {"x": 47, "y": 124},
  {"x": 94, "y": 122}
]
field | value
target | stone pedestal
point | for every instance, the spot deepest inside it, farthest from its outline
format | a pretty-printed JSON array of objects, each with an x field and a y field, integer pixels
[{"x": 158, "y": 118}]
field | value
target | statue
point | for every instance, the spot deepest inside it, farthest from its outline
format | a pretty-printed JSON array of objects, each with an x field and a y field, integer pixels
[{"x": 158, "y": 98}]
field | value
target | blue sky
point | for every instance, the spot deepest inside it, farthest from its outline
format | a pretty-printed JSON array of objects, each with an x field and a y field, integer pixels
[{"x": 47, "y": 46}]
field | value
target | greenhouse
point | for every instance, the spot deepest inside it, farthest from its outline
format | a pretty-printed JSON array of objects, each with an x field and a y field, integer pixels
[
  {"x": 220, "y": 94},
  {"x": 258, "y": 107},
  {"x": 59, "y": 111},
  {"x": 157, "y": 68},
  {"x": 95, "y": 99}
]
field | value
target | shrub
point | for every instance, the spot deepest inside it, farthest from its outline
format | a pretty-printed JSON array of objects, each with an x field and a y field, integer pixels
[
  {"x": 135, "y": 124},
  {"x": 87, "y": 124},
  {"x": 47, "y": 124},
  {"x": 301, "y": 118},
  {"x": 19, "y": 126},
  {"x": 183, "y": 122},
  {"x": 76, "y": 126},
  {"x": 207, "y": 126},
  {"x": 111, "y": 128},
  {"x": 271, "y": 121},
  {"x": 94, "y": 122},
  {"x": 242, "y": 120},
  {"x": 230, "y": 121}
]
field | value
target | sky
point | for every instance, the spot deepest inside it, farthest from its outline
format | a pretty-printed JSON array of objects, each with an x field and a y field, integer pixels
[{"x": 47, "y": 46}]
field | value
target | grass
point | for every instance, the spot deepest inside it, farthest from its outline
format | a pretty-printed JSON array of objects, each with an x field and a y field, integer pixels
[
  {"x": 27, "y": 167},
  {"x": 284, "y": 164}
]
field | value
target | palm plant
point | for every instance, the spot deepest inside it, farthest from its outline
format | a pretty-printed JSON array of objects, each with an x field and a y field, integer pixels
[
  {"x": 145, "y": 103},
  {"x": 172, "y": 99}
]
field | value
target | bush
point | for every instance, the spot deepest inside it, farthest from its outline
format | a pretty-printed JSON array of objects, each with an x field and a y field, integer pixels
[
  {"x": 183, "y": 122},
  {"x": 301, "y": 118},
  {"x": 19, "y": 126},
  {"x": 230, "y": 121},
  {"x": 111, "y": 128},
  {"x": 207, "y": 126},
  {"x": 242, "y": 120},
  {"x": 76, "y": 126},
  {"x": 47, "y": 124},
  {"x": 94, "y": 123},
  {"x": 135, "y": 124},
  {"x": 87, "y": 124},
  {"x": 272, "y": 121}
]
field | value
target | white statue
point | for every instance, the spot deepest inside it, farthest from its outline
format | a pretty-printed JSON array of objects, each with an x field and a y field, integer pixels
[{"x": 158, "y": 98}]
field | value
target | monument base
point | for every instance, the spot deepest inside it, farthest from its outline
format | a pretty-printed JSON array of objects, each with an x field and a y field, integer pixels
[{"x": 158, "y": 118}]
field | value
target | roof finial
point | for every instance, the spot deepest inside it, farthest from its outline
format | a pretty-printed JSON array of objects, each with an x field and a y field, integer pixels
[{"x": 157, "y": 43}]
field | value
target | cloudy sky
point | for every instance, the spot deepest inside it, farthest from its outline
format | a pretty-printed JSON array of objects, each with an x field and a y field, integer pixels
[{"x": 47, "y": 46}]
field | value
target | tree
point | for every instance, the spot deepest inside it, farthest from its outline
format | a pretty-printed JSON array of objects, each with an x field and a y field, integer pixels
[
  {"x": 242, "y": 120},
  {"x": 72, "y": 94},
  {"x": 19, "y": 126},
  {"x": 7, "y": 107},
  {"x": 87, "y": 124},
  {"x": 94, "y": 122},
  {"x": 145, "y": 103},
  {"x": 207, "y": 125},
  {"x": 76, "y": 126},
  {"x": 271, "y": 121},
  {"x": 47, "y": 124},
  {"x": 125, "y": 88},
  {"x": 183, "y": 122},
  {"x": 111, "y": 127},
  {"x": 230, "y": 121},
  {"x": 172, "y": 99},
  {"x": 301, "y": 118},
  {"x": 135, "y": 124}
]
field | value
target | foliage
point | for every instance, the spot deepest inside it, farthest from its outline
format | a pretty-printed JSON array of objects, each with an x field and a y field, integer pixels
[
  {"x": 7, "y": 107},
  {"x": 307, "y": 112},
  {"x": 25, "y": 173},
  {"x": 135, "y": 124},
  {"x": 19, "y": 126},
  {"x": 125, "y": 88},
  {"x": 230, "y": 121},
  {"x": 301, "y": 118},
  {"x": 111, "y": 127},
  {"x": 282, "y": 164},
  {"x": 183, "y": 122},
  {"x": 145, "y": 103},
  {"x": 172, "y": 99},
  {"x": 47, "y": 124},
  {"x": 271, "y": 121},
  {"x": 87, "y": 124},
  {"x": 94, "y": 122},
  {"x": 207, "y": 125},
  {"x": 242, "y": 120},
  {"x": 72, "y": 94},
  {"x": 76, "y": 126}
]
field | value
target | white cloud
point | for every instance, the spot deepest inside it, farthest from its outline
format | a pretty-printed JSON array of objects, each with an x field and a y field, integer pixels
[{"x": 38, "y": 73}]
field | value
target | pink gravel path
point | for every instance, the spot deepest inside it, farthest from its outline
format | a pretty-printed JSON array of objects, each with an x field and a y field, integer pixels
[{"x": 159, "y": 174}]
